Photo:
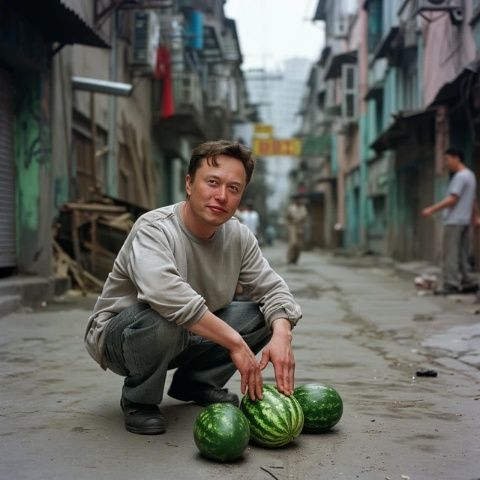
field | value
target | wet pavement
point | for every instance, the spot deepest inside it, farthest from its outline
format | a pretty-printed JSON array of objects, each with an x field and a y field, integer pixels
[{"x": 365, "y": 331}]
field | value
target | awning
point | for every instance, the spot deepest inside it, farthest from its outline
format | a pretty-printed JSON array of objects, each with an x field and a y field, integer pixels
[
  {"x": 388, "y": 43},
  {"x": 403, "y": 125},
  {"x": 375, "y": 91},
  {"x": 452, "y": 91},
  {"x": 56, "y": 22},
  {"x": 334, "y": 70}
]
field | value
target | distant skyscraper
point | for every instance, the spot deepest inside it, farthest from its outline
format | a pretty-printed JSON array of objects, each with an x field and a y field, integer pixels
[{"x": 278, "y": 94}]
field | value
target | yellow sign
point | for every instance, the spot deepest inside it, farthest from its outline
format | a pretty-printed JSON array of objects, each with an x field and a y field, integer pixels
[
  {"x": 263, "y": 130},
  {"x": 290, "y": 147}
]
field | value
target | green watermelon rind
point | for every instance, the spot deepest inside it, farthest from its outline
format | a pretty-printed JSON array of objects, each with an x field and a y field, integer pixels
[
  {"x": 327, "y": 400},
  {"x": 217, "y": 443},
  {"x": 271, "y": 423}
]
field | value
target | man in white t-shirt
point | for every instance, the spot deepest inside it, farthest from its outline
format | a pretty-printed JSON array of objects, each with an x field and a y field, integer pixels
[
  {"x": 250, "y": 218},
  {"x": 459, "y": 213}
]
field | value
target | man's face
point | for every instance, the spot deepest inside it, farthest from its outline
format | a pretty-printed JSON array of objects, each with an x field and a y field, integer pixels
[
  {"x": 215, "y": 192},
  {"x": 451, "y": 162}
]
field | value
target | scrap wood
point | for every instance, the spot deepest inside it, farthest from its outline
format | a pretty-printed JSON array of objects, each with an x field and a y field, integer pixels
[
  {"x": 73, "y": 266},
  {"x": 99, "y": 249},
  {"x": 81, "y": 276},
  {"x": 124, "y": 226},
  {"x": 120, "y": 221},
  {"x": 96, "y": 207}
]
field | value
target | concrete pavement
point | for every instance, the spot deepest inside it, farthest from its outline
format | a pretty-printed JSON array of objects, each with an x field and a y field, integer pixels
[{"x": 365, "y": 331}]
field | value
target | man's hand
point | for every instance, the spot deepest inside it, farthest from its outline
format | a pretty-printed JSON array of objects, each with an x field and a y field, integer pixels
[
  {"x": 279, "y": 352},
  {"x": 427, "y": 212},
  {"x": 250, "y": 373},
  {"x": 451, "y": 200}
]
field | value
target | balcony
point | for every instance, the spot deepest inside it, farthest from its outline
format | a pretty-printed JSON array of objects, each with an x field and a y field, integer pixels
[{"x": 188, "y": 115}]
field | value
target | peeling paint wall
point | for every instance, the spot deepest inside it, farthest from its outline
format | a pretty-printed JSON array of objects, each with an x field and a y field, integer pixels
[{"x": 33, "y": 165}]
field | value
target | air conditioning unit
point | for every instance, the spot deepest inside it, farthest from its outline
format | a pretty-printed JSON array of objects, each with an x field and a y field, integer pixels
[
  {"x": 454, "y": 7},
  {"x": 145, "y": 40}
]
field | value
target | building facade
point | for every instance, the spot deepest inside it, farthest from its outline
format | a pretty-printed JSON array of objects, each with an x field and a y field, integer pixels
[
  {"x": 104, "y": 100},
  {"x": 414, "y": 69}
]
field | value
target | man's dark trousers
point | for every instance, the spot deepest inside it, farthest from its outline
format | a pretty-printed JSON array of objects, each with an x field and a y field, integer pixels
[{"x": 142, "y": 346}]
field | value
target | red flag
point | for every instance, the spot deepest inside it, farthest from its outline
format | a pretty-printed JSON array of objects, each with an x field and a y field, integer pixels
[{"x": 163, "y": 71}]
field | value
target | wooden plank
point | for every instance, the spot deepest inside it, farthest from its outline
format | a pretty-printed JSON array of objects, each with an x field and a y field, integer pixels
[
  {"x": 100, "y": 250},
  {"x": 73, "y": 266},
  {"x": 150, "y": 175},
  {"x": 122, "y": 227},
  {"x": 124, "y": 220},
  {"x": 93, "y": 236},
  {"x": 75, "y": 238},
  {"x": 96, "y": 207}
]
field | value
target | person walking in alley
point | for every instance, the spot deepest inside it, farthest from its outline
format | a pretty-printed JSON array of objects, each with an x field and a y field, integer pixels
[
  {"x": 250, "y": 218},
  {"x": 168, "y": 301},
  {"x": 459, "y": 212},
  {"x": 295, "y": 219}
]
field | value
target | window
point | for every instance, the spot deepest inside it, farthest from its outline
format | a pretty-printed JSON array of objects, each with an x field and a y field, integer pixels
[
  {"x": 350, "y": 92},
  {"x": 375, "y": 24}
]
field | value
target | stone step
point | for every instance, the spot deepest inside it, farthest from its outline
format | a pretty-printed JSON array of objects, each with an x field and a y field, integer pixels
[
  {"x": 32, "y": 291},
  {"x": 9, "y": 304}
]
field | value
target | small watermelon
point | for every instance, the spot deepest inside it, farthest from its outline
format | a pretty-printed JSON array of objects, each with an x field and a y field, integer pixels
[
  {"x": 321, "y": 404},
  {"x": 221, "y": 432},
  {"x": 275, "y": 420}
]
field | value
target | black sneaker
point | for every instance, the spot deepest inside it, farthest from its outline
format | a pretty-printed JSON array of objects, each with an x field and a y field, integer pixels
[
  {"x": 473, "y": 288},
  {"x": 202, "y": 394},
  {"x": 143, "y": 419}
]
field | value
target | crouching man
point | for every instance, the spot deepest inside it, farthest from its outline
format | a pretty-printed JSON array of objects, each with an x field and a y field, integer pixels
[{"x": 168, "y": 301}]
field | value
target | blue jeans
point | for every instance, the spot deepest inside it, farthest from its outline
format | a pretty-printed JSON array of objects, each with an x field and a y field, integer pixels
[{"x": 142, "y": 346}]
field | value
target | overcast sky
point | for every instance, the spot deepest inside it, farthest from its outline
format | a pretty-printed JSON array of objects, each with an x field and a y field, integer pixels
[{"x": 273, "y": 30}]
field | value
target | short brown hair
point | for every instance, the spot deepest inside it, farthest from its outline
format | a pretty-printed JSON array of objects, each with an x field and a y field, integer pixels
[{"x": 210, "y": 151}]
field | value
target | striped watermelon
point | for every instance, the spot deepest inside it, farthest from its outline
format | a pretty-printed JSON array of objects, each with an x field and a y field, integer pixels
[
  {"x": 275, "y": 420},
  {"x": 321, "y": 405},
  {"x": 221, "y": 432}
]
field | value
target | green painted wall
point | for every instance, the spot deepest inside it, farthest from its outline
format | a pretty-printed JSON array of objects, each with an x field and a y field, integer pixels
[
  {"x": 33, "y": 173},
  {"x": 333, "y": 154}
]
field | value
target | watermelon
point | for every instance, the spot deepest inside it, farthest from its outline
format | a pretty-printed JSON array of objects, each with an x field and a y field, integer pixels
[
  {"x": 221, "y": 432},
  {"x": 321, "y": 404},
  {"x": 275, "y": 420}
]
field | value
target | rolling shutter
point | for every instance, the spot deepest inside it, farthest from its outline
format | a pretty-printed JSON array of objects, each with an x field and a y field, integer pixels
[{"x": 7, "y": 173}]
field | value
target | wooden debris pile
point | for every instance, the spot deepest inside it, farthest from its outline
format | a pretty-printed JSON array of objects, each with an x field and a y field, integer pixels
[{"x": 87, "y": 241}]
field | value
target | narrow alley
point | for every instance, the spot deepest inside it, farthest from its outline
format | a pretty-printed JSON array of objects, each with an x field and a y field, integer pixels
[{"x": 365, "y": 331}]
